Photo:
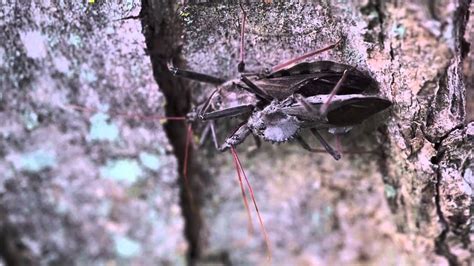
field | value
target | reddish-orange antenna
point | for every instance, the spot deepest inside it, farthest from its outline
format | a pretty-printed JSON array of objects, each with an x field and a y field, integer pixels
[
  {"x": 126, "y": 115},
  {"x": 262, "y": 226},
  {"x": 189, "y": 136},
  {"x": 307, "y": 55},
  {"x": 244, "y": 196},
  {"x": 189, "y": 139}
]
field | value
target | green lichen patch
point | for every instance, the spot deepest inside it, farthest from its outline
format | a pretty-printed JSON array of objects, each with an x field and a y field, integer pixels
[
  {"x": 126, "y": 247},
  {"x": 101, "y": 130},
  {"x": 150, "y": 161},
  {"x": 34, "y": 161},
  {"x": 127, "y": 171}
]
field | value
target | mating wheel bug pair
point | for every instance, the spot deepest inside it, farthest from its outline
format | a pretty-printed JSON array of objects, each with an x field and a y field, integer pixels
[
  {"x": 276, "y": 104},
  {"x": 276, "y": 111}
]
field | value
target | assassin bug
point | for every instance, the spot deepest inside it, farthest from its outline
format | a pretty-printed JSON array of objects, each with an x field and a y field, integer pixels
[
  {"x": 252, "y": 92},
  {"x": 281, "y": 120},
  {"x": 275, "y": 104},
  {"x": 287, "y": 92}
]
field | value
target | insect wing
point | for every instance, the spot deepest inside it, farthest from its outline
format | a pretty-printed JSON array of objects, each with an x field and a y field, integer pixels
[
  {"x": 355, "y": 110},
  {"x": 281, "y": 87},
  {"x": 344, "y": 110},
  {"x": 315, "y": 78}
]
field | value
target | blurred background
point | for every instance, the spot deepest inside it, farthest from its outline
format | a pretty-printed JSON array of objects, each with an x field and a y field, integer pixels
[{"x": 92, "y": 175}]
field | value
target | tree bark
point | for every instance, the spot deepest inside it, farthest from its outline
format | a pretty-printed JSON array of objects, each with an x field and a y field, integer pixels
[
  {"x": 409, "y": 201},
  {"x": 90, "y": 186},
  {"x": 83, "y": 187}
]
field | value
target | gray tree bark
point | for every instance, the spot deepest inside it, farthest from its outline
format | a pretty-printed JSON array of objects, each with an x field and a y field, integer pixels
[
  {"x": 82, "y": 187},
  {"x": 409, "y": 203},
  {"x": 97, "y": 186}
]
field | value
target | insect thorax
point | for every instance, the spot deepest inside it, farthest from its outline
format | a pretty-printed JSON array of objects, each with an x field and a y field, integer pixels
[
  {"x": 231, "y": 94},
  {"x": 273, "y": 125}
]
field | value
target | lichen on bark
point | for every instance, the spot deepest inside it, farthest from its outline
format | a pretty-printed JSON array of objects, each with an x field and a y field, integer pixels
[
  {"x": 414, "y": 51},
  {"x": 78, "y": 188}
]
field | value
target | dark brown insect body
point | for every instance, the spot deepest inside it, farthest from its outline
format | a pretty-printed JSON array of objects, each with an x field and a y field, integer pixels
[
  {"x": 279, "y": 103},
  {"x": 314, "y": 78},
  {"x": 281, "y": 120},
  {"x": 276, "y": 104},
  {"x": 306, "y": 79}
]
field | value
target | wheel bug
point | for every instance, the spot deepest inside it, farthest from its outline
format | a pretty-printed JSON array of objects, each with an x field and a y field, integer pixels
[
  {"x": 281, "y": 121},
  {"x": 275, "y": 104},
  {"x": 251, "y": 93},
  {"x": 254, "y": 94}
]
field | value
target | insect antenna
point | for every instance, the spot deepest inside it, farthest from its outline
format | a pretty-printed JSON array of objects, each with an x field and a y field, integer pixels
[
  {"x": 189, "y": 135},
  {"x": 262, "y": 226},
  {"x": 241, "y": 65},
  {"x": 187, "y": 148},
  {"x": 125, "y": 115},
  {"x": 307, "y": 55},
  {"x": 244, "y": 195}
]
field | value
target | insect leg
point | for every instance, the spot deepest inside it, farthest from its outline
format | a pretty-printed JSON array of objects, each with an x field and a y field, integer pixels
[
  {"x": 213, "y": 134},
  {"x": 301, "y": 100},
  {"x": 229, "y": 112},
  {"x": 255, "y": 89},
  {"x": 241, "y": 65},
  {"x": 210, "y": 128},
  {"x": 195, "y": 76},
  {"x": 206, "y": 104},
  {"x": 305, "y": 145},
  {"x": 325, "y": 106},
  {"x": 327, "y": 147},
  {"x": 236, "y": 138},
  {"x": 307, "y": 55},
  {"x": 204, "y": 134}
]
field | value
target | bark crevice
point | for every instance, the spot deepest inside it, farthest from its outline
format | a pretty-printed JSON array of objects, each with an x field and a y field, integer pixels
[
  {"x": 163, "y": 31},
  {"x": 442, "y": 244}
]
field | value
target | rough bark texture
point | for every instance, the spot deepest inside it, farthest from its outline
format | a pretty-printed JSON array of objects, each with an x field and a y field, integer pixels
[
  {"x": 95, "y": 187},
  {"x": 469, "y": 68},
  {"x": 407, "y": 203},
  {"x": 80, "y": 187}
]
